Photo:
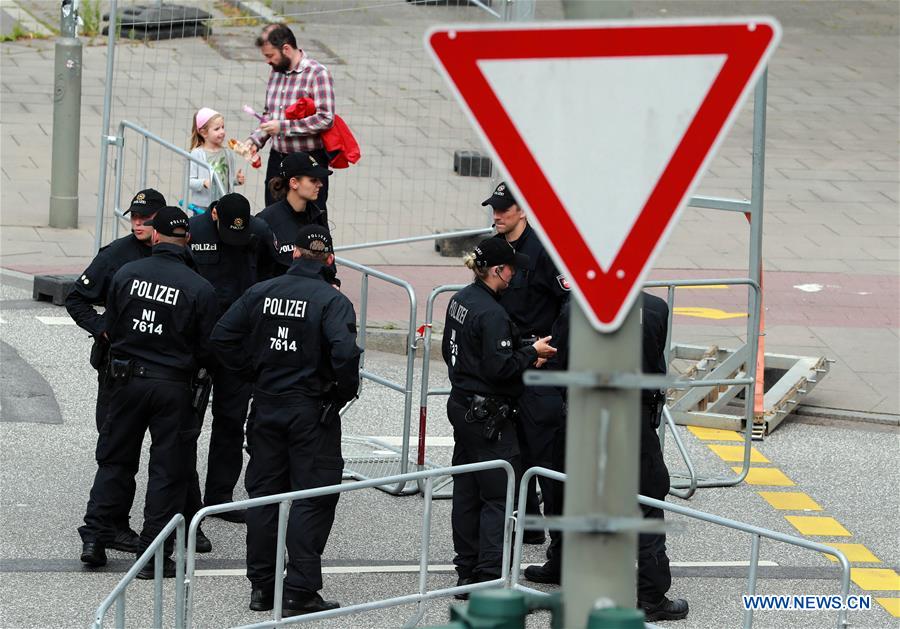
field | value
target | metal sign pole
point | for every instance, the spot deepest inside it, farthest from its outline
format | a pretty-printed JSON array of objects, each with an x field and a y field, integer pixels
[
  {"x": 602, "y": 465},
  {"x": 602, "y": 443}
]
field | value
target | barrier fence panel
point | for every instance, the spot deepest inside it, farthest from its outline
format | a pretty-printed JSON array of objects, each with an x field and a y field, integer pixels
[
  {"x": 410, "y": 180},
  {"x": 745, "y": 363},
  {"x": 756, "y": 535},
  {"x": 284, "y": 501},
  {"x": 365, "y": 458},
  {"x": 155, "y": 550},
  {"x": 444, "y": 486}
]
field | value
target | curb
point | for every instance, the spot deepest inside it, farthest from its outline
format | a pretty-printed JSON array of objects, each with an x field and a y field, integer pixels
[{"x": 256, "y": 10}]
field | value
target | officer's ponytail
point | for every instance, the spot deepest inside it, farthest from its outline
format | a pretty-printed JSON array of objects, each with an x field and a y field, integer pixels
[{"x": 278, "y": 187}]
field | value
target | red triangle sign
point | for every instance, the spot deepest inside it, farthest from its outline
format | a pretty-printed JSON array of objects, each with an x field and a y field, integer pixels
[{"x": 603, "y": 130}]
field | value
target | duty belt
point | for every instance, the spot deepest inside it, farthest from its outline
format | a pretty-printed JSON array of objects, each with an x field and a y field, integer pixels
[{"x": 160, "y": 373}]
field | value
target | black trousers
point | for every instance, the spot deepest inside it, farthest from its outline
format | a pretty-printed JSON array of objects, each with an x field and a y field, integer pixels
[
  {"x": 540, "y": 418},
  {"x": 479, "y": 499},
  {"x": 121, "y": 521},
  {"x": 291, "y": 450},
  {"x": 273, "y": 168},
  {"x": 136, "y": 405},
  {"x": 231, "y": 397},
  {"x": 654, "y": 575}
]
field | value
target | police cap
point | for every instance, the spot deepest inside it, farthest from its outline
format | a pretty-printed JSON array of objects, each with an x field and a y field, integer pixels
[
  {"x": 233, "y": 217},
  {"x": 314, "y": 238},
  {"x": 501, "y": 199},
  {"x": 170, "y": 221},
  {"x": 496, "y": 251},
  {"x": 146, "y": 202}
]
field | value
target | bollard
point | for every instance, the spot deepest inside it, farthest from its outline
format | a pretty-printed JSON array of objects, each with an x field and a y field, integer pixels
[
  {"x": 66, "y": 121},
  {"x": 501, "y": 609},
  {"x": 616, "y": 618}
]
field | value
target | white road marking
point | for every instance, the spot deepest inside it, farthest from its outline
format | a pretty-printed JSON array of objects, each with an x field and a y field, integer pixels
[
  {"x": 55, "y": 320},
  {"x": 397, "y": 441},
  {"x": 809, "y": 288},
  {"x": 399, "y": 569}
]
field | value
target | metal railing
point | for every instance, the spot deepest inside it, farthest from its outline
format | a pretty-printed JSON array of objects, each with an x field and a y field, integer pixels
[
  {"x": 154, "y": 550},
  {"x": 425, "y": 391},
  {"x": 749, "y": 382},
  {"x": 147, "y": 136},
  {"x": 406, "y": 387},
  {"x": 419, "y": 598},
  {"x": 756, "y": 533}
]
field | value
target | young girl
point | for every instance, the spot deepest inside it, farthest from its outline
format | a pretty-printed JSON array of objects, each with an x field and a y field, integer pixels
[{"x": 207, "y": 144}]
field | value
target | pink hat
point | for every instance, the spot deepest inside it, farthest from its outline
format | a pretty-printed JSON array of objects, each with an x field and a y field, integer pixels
[{"x": 204, "y": 115}]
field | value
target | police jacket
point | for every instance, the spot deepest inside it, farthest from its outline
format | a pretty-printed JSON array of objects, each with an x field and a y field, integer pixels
[
  {"x": 160, "y": 312},
  {"x": 480, "y": 345},
  {"x": 92, "y": 287},
  {"x": 537, "y": 292},
  {"x": 285, "y": 223},
  {"x": 293, "y": 335},
  {"x": 230, "y": 269}
]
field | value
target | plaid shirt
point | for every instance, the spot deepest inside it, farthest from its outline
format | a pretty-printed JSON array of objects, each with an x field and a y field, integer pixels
[{"x": 310, "y": 79}]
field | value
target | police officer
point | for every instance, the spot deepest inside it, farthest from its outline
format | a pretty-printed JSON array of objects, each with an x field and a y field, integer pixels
[
  {"x": 654, "y": 575},
  {"x": 534, "y": 299},
  {"x": 301, "y": 353},
  {"x": 233, "y": 251},
  {"x": 481, "y": 347},
  {"x": 158, "y": 318},
  {"x": 296, "y": 188},
  {"x": 90, "y": 291}
]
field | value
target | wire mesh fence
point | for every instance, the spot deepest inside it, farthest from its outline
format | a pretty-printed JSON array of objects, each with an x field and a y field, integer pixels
[{"x": 387, "y": 90}]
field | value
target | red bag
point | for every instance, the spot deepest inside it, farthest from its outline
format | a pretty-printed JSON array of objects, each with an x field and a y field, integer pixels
[{"x": 339, "y": 140}]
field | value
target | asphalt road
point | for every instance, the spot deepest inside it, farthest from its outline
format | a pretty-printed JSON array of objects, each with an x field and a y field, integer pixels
[{"x": 46, "y": 468}]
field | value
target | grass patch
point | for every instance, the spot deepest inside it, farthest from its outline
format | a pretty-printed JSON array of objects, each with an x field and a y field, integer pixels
[
  {"x": 90, "y": 15},
  {"x": 236, "y": 16},
  {"x": 18, "y": 33}
]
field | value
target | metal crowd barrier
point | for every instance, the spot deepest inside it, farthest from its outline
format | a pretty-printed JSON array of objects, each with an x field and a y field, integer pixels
[
  {"x": 119, "y": 142},
  {"x": 444, "y": 487},
  {"x": 284, "y": 504},
  {"x": 745, "y": 355},
  {"x": 365, "y": 458},
  {"x": 155, "y": 550},
  {"x": 756, "y": 535}
]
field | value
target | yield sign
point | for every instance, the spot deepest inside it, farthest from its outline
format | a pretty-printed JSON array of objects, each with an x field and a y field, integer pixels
[{"x": 603, "y": 130}]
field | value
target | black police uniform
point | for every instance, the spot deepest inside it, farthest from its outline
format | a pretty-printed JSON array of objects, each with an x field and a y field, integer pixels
[
  {"x": 654, "y": 576},
  {"x": 284, "y": 222},
  {"x": 295, "y": 335},
  {"x": 158, "y": 319},
  {"x": 90, "y": 290},
  {"x": 481, "y": 349},
  {"x": 231, "y": 270},
  {"x": 533, "y": 300}
]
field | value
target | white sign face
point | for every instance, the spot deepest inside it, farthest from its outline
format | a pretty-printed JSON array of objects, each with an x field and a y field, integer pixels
[{"x": 604, "y": 138}]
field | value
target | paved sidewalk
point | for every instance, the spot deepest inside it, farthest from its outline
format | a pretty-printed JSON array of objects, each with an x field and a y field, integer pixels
[{"x": 831, "y": 220}]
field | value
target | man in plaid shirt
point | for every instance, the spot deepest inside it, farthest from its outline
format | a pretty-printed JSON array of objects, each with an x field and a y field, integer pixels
[{"x": 294, "y": 76}]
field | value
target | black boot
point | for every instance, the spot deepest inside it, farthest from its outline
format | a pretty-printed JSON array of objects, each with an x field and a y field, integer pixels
[
  {"x": 306, "y": 605},
  {"x": 550, "y": 572},
  {"x": 262, "y": 599},
  {"x": 126, "y": 540},
  {"x": 666, "y": 609},
  {"x": 147, "y": 572},
  {"x": 93, "y": 554}
]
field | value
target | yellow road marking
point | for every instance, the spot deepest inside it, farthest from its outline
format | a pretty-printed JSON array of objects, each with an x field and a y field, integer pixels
[
  {"x": 736, "y": 453},
  {"x": 818, "y": 525},
  {"x": 892, "y": 605},
  {"x": 790, "y": 500},
  {"x": 708, "y": 313},
  {"x": 881, "y": 579},
  {"x": 715, "y": 434},
  {"x": 855, "y": 552},
  {"x": 766, "y": 476}
]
